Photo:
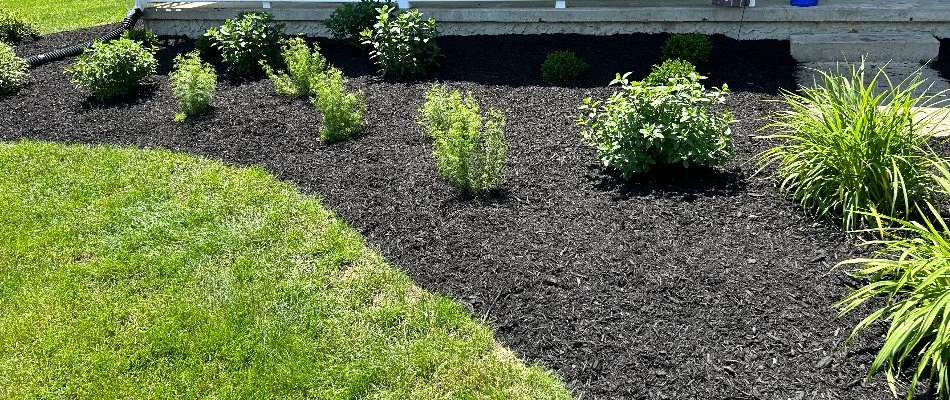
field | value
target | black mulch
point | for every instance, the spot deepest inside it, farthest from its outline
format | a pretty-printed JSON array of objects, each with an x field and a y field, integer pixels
[{"x": 703, "y": 284}]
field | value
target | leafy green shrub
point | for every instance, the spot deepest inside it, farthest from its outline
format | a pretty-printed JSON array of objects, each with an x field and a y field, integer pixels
[
  {"x": 843, "y": 154},
  {"x": 303, "y": 68},
  {"x": 144, "y": 36},
  {"x": 342, "y": 111},
  {"x": 402, "y": 43},
  {"x": 15, "y": 27},
  {"x": 643, "y": 125},
  {"x": 469, "y": 148},
  {"x": 669, "y": 71},
  {"x": 692, "y": 47},
  {"x": 561, "y": 66},
  {"x": 112, "y": 68},
  {"x": 193, "y": 85},
  {"x": 246, "y": 41},
  {"x": 348, "y": 21},
  {"x": 13, "y": 70}
]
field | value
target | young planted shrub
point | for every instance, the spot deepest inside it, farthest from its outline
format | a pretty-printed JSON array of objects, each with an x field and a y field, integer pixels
[
  {"x": 193, "y": 85},
  {"x": 350, "y": 19},
  {"x": 342, "y": 111},
  {"x": 15, "y": 27},
  {"x": 469, "y": 148},
  {"x": 304, "y": 67},
  {"x": 113, "y": 68},
  {"x": 846, "y": 150},
  {"x": 670, "y": 71},
  {"x": 691, "y": 47},
  {"x": 13, "y": 70},
  {"x": 247, "y": 41},
  {"x": 560, "y": 66},
  {"x": 401, "y": 43},
  {"x": 643, "y": 125},
  {"x": 144, "y": 36}
]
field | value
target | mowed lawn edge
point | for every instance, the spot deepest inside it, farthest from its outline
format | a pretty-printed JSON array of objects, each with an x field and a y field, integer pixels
[
  {"x": 64, "y": 15},
  {"x": 128, "y": 273}
]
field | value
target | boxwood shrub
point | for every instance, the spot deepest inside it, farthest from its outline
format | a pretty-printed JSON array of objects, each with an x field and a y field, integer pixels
[{"x": 560, "y": 66}]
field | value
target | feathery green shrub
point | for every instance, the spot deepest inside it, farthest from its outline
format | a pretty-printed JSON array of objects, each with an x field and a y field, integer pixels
[
  {"x": 14, "y": 27},
  {"x": 193, "y": 84},
  {"x": 304, "y": 67},
  {"x": 13, "y": 70},
  {"x": 342, "y": 112}
]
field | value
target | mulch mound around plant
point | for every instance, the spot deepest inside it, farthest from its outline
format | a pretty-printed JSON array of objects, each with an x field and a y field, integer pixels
[{"x": 683, "y": 284}]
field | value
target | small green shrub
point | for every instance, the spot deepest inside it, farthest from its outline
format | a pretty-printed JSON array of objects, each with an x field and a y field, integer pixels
[
  {"x": 670, "y": 71},
  {"x": 642, "y": 125},
  {"x": 844, "y": 154},
  {"x": 402, "y": 44},
  {"x": 469, "y": 148},
  {"x": 193, "y": 85},
  {"x": 247, "y": 41},
  {"x": 342, "y": 111},
  {"x": 560, "y": 66},
  {"x": 112, "y": 68},
  {"x": 144, "y": 36},
  {"x": 13, "y": 70},
  {"x": 303, "y": 68},
  {"x": 14, "y": 27},
  {"x": 348, "y": 21},
  {"x": 692, "y": 47}
]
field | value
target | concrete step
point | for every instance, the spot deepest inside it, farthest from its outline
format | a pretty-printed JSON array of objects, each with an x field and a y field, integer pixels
[{"x": 900, "y": 47}]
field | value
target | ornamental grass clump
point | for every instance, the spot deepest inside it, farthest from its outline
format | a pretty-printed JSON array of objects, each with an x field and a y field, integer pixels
[
  {"x": 910, "y": 272},
  {"x": 401, "y": 43},
  {"x": 13, "y": 70},
  {"x": 109, "y": 69},
  {"x": 848, "y": 149},
  {"x": 469, "y": 147},
  {"x": 642, "y": 125},
  {"x": 342, "y": 112},
  {"x": 304, "y": 67},
  {"x": 247, "y": 41},
  {"x": 193, "y": 85}
]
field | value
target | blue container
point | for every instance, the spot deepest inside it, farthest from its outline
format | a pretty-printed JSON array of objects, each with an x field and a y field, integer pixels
[{"x": 804, "y": 3}]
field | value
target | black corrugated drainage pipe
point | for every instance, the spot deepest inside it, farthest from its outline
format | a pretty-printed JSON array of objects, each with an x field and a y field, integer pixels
[{"x": 130, "y": 19}]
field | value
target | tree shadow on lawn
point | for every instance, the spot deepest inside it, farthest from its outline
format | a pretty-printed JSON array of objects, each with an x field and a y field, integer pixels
[{"x": 675, "y": 180}]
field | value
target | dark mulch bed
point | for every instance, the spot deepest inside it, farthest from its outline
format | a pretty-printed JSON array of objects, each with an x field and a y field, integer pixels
[{"x": 684, "y": 284}]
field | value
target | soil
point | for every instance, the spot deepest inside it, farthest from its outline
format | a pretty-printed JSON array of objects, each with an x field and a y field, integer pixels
[{"x": 682, "y": 284}]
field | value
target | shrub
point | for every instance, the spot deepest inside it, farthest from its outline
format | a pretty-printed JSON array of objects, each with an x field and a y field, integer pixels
[
  {"x": 13, "y": 70},
  {"x": 843, "y": 154},
  {"x": 561, "y": 66},
  {"x": 342, "y": 111},
  {"x": 643, "y": 125},
  {"x": 669, "y": 71},
  {"x": 246, "y": 41},
  {"x": 15, "y": 27},
  {"x": 193, "y": 85},
  {"x": 112, "y": 68},
  {"x": 348, "y": 21},
  {"x": 692, "y": 47},
  {"x": 303, "y": 68},
  {"x": 144, "y": 36},
  {"x": 402, "y": 43},
  {"x": 469, "y": 148}
]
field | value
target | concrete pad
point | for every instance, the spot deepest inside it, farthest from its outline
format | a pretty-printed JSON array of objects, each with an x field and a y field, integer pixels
[{"x": 904, "y": 47}]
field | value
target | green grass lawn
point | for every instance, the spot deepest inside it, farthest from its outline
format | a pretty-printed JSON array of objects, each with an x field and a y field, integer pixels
[
  {"x": 64, "y": 15},
  {"x": 129, "y": 273}
]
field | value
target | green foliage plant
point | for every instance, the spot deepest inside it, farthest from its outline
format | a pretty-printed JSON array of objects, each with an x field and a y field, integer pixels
[
  {"x": 642, "y": 125},
  {"x": 402, "y": 43},
  {"x": 342, "y": 112},
  {"x": 304, "y": 67},
  {"x": 469, "y": 148},
  {"x": 144, "y": 36},
  {"x": 692, "y": 47},
  {"x": 350, "y": 19},
  {"x": 14, "y": 27},
  {"x": 847, "y": 149},
  {"x": 670, "y": 71},
  {"x": 13, "y": 70},
  {"x": 247, "y": 41},
  {"x": 560, "y": 66},
  {"x": 193, "y": 84},
  {"x": 115, "y": 68}
]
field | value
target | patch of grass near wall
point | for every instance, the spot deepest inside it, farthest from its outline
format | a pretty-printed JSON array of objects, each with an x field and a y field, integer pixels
[
  {"x": 65, "y": 15},
  {"x": 154, "y": 274}
]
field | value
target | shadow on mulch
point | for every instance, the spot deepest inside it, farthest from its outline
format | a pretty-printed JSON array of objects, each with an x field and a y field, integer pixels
[{"x": 670, "y": 181}]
